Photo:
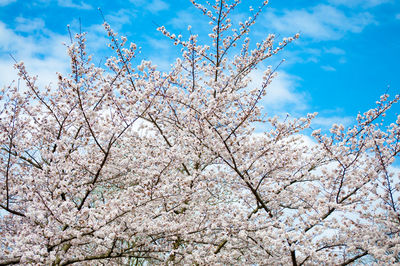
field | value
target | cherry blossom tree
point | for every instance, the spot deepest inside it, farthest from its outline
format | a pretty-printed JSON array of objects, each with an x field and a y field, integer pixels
[{"x": 129, "y": 165}]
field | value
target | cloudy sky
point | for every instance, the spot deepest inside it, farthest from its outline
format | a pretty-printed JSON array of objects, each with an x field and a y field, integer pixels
[{"x": 347, "y": 56}]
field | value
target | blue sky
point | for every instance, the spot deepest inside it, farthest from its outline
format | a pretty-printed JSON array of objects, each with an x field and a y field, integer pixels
[{"x": 347, "y": 56}]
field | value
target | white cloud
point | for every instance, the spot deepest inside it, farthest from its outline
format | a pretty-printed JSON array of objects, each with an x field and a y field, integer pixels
[
  {"x": 398, "y": 16},
  {"x": 162, "y": 52},
  {"x": 43, "y": 55},
  {"x": 183, "y": 19},
  {"x": 328, "y": 68},
  {"x": 281, "y": 92},
  {"x": 334, "y": 50},
  {"x": 71, "y": 4},
  {"x": 157, "y": 6},
  {"x": 6, "y": 2},
  {"x": 328, "y": 121},
  {"x": 28, "y": 25},
  {"x": 120, "y": 18},
  {"x": 362, "y": 3},
  {"x": 321, "y": 22},
  {"x": 162, "y": 44},
  {"x": 153, "y": 6}
]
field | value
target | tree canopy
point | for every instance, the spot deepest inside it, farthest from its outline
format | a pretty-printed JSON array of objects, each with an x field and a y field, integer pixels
[{"x": 127, "y": 165}]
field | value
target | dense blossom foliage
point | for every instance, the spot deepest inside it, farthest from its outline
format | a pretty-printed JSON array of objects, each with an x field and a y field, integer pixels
[{"x": 130, "y": 165}]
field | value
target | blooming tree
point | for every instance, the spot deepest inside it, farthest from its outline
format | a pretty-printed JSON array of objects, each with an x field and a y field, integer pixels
[{"x": 130, "y": 165}]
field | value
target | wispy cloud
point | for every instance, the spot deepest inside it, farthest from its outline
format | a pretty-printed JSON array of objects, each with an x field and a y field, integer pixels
[
  {"x": 157, "y": 6},
  {"x": 327, "y": 117},
  {"x": 281, "y": 92},
  {"x": 321, "y": 22},
  {"x": 121, "y": 17},
  {"x": 328, "y": 121},
  {"x": 153, "y": 6},
  {"x": 359, "y": 3},
  {"x": 398, "y": 16},
  {"x": 71, "y": 4},
  {"x": 328, "y": 68},
  {"x": 159, "y": 44},
  {"x": 334, "y": 50},
  {"x": 183, "y": 19},
  {"x": 29, "y": 25},
  {"x": 6, "y": 2},
  {"x": 43, "y": 55}
]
